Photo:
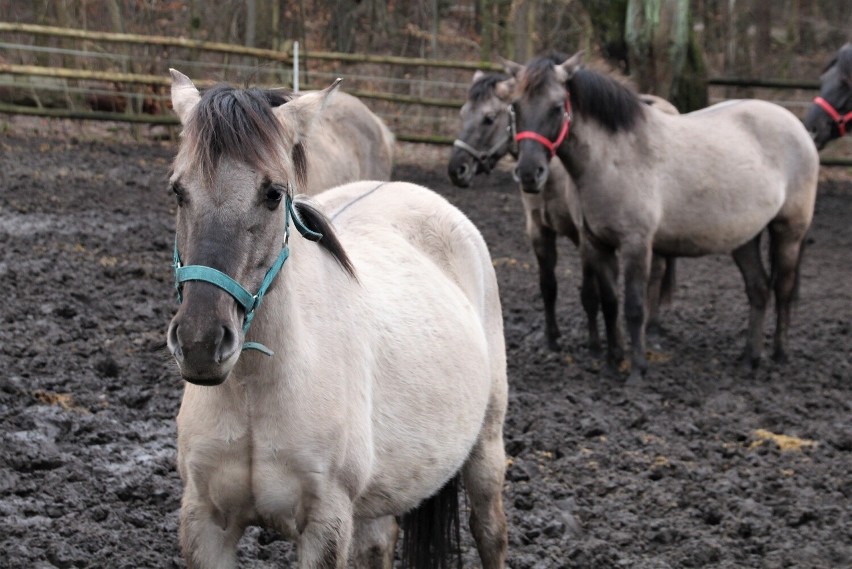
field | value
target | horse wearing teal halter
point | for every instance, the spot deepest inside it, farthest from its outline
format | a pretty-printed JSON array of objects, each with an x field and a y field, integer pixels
[{"x": 380, "y": 380}]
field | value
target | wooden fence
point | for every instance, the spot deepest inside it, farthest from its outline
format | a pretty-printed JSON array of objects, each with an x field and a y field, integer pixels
[{"x": 438, "y": 87}]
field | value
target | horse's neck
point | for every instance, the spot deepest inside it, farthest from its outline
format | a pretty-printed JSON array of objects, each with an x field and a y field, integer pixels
[{"x": 591, "y": 149}]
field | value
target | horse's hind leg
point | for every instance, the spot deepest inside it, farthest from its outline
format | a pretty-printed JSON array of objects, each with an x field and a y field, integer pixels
[
  {"x": 786, "y": 253},
  {"x": 483, "y": 477},
  {"x": 543, "y": 242},
  {"x": 591, "y": 299},
  {"x": 658, "y": 290},
  {"x": 374, "y": 543},
  {"x": 756, "y": 280}
]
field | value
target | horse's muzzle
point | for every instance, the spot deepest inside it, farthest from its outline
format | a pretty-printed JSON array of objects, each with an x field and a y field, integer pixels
[
  {"x": 531, "y": 182},
  {"x": 205, "y": 355}
]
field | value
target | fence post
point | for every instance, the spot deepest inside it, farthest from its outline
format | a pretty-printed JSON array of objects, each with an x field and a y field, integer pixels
[{"x": 295, "y": 66}]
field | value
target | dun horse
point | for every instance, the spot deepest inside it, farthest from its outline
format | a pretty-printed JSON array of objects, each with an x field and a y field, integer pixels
[
  {"x": 487, "y": 135},
  {"x": 371, "y": 379},
  {"x": 686, "y": 185},
  {"x": 830, "y": 116}
]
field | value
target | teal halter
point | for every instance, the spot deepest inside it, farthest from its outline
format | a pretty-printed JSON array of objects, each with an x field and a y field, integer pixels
[{"x": 250, "y": 302}]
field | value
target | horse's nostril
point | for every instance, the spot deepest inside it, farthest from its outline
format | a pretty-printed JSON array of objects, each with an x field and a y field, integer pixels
[
  {"x": 227, "y": 345},
  {"x": 173, "y": 342},
  {"x": 540, "y": 172}
]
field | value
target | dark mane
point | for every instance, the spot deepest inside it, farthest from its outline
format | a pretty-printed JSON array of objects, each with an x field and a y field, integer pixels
[
  {"x": 238, "y": 123},
  {"x": 316, "y": 220},
  {"x": 593, "y": 94},
  {"x": 599, "y": 96},
  {"x": 483, "y": 88}
]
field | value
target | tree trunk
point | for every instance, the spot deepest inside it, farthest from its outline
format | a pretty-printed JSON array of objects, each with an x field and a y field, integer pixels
[
  {"x": 664, "y": 57},
  {"x": 608, "y": 17},
  {"x": 486, "y": 29}
]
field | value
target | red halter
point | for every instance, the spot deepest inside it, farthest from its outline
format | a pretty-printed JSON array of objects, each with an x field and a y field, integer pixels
[
  {"x": 563, "y": 132},
  {"x": 832, "y": 112}
]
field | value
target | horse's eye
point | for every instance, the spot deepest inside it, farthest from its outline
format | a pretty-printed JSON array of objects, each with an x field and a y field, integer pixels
[
  {"x": 273, "y": 196},
  {"x": 177, "y": 190},
  {"x": 488, "y": 119},
  {"x": 556, "y": 110}
]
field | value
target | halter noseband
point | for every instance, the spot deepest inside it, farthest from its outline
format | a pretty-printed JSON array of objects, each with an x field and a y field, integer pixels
[
  {"x": 250, "y": 302},
  {"x": 840, "y": 121},
  {"x": 482, "y": 156},
  {"x": 551, "y": 145}
]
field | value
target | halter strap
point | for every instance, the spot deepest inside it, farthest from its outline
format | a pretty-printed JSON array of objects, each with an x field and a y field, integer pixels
[
  {"x": 482, "y": 156},
  {"x": 841, "y": 121},
  {"x": 250, "y": 302},
  {"x": 546, "y": 142}
]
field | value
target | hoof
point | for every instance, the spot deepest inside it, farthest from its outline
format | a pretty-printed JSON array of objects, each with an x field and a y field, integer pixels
[
  {"x": 749, "y": 361},
  {"x": 553, "y": 345},
  {"x": 635, "y": 378},
  {"x": 780, "y": 357},
  {"x": 595, "y": 347}
]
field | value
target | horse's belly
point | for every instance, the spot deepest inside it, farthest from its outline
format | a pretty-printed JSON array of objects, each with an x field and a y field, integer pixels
[{"x": 712, "y": 232}]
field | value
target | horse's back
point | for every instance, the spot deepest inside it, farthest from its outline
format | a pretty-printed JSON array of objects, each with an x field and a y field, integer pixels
[
  {"x": 348, "y": 143},
  {"x": 781, "y": 142},
  {"x": 721, "y": 174},
  {"x": 426, "y": 220}
]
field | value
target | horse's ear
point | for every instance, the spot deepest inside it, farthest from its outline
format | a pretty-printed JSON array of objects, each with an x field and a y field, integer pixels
[
  {"x": 844, "y": 63},
  {"x": 512, "y": 68},
  {"x": 184, "y": 95},
  {"x": 573, "y": 64},
  {"x": 505, "y": 89},
  {"x": 299, "y": 115},
  {"x": 477, "y": 75}
]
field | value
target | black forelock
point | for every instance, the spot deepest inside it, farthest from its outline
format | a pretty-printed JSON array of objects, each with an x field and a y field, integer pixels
[
  {"x": 239, "y": 124},
  {"x": 483, "y": 88}
]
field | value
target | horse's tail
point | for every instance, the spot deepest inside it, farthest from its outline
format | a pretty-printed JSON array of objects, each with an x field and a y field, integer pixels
[
  {"x": 669, "y": 282},
  {"x": 431, "y": 532}
]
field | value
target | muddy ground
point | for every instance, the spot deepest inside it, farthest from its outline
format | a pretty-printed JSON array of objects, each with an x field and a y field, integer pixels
[{"x": 683, "y": 471}]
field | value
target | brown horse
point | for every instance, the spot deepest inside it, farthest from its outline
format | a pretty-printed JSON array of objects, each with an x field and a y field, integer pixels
[{"x": 687, "y": 185}]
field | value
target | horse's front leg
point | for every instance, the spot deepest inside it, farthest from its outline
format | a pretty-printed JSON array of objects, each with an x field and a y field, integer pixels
[
  {"x": 637, "y": 266},
  {"x": 325, "y": 529},
  {"x": 374, "y": 543},
  {"x": 208, "y": 536},
  {"x": 543, "y": 240},
  {"x": 600, "y": 278}
]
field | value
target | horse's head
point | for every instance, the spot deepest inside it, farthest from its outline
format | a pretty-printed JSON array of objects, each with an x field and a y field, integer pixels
[
  {"x": 240, "y": 156},
  {"x": 486, "y": 132},
  {"x": 830, "y": 114},
  {"x": 542, "y": 112}
]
